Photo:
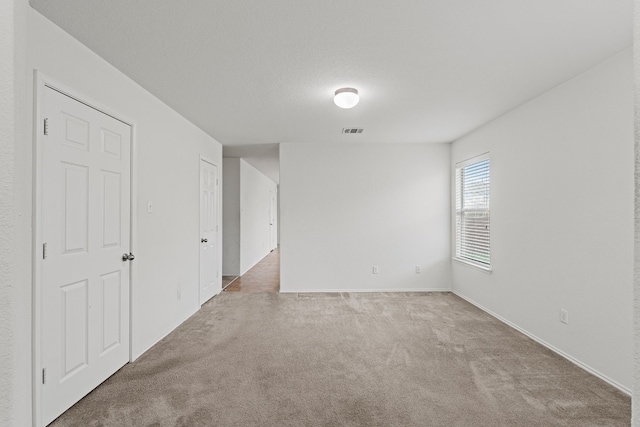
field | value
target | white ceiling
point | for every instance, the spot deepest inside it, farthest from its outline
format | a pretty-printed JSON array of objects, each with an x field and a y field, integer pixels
[{"x": 264, "y": 72}]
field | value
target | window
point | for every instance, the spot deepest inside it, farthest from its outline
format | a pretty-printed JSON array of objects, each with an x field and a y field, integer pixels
[{"x": 473, "y": 230}]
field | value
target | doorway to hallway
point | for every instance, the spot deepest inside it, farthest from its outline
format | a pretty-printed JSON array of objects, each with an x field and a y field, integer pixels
[{"x": 262, "y": 277}]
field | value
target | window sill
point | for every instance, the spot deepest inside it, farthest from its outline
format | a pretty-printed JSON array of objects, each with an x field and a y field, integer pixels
[{"x": 482, "y": 268}]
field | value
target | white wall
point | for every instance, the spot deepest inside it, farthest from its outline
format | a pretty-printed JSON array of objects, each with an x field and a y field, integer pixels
[
  {"x": 254, "y": 208},
  {"x": 562, "y": 218},
  {"x": 347, "y": 207},
  {"x": 231, "y": 217},
  {"x": 167, "y": 169},
  {"x": 15, "y": 234}
]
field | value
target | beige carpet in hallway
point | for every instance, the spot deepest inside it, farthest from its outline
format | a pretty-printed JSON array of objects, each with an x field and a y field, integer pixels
[{"x": 385, "y": 359}]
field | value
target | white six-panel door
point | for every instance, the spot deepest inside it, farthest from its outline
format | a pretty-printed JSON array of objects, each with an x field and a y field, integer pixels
[
  {"x": 273, "y": 206},
  {"x": 209, "y": 271},
  {"x": 85, "y": 226}
]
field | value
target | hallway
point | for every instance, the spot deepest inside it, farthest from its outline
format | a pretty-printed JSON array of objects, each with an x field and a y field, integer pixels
[{"x": 262, "y": 277}]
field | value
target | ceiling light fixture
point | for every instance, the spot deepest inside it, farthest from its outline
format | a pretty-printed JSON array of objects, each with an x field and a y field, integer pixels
[{"x": 346, "y": 97}]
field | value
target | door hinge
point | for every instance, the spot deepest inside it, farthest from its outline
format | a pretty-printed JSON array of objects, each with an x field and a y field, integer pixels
[
  {"x": 216, "y": 181},
  {"x": 44, "y": 251},
  {"x": 44, "y": 375},
  {"x": 46, "y": 126}
]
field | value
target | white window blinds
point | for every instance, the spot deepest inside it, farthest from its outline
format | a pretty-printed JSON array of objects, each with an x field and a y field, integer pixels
[{"x": 473, "y": 230}]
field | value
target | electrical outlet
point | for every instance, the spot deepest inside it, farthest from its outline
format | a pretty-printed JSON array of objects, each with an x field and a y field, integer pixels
[
  {"x": 564, "y": 316},
  {"x": 418, "y": 269},
  {"x": 375, "y": 269}
]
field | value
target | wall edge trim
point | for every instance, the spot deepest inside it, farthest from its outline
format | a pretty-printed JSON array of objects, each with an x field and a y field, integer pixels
[
  {"x": 180, "y": 322},
  {"x": 333, "y": 290},
  {"x": 542, "y": 342}
]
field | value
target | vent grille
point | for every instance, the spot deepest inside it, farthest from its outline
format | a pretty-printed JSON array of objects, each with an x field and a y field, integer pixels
[{"x": 352, "y": 130}]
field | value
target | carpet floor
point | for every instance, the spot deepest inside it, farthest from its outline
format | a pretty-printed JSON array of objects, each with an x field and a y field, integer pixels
[{"x": 383, "y": 359}]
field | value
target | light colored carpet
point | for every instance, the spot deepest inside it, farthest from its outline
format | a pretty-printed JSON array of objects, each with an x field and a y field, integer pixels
[{"x": 386, "y": 359}]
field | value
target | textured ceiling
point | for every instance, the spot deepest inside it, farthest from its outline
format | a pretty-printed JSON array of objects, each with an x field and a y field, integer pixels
[{"x": 264, "y": 72}]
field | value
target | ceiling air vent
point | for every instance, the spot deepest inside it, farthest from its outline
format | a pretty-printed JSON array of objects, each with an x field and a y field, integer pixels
[{"x": 352, "y": 130}]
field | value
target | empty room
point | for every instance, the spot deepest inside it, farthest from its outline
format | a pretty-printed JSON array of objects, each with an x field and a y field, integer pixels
[{"x": 304, "y": 213}]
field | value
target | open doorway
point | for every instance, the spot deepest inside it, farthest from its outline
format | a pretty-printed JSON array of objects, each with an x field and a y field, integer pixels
[
  {"x": 262, "y": 277},
  {"x": 251, "y": 258}
]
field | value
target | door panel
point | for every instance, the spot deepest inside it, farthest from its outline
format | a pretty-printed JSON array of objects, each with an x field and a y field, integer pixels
[
  {"x": 111, "y": 229},
  {"x": 76, "y": 132},
  {"x": 111, "y": 144},
  {"x": 210, "y": 280},
  {"x": 75, "y": 330},
  {"x": 75, "y": 193},
  {"x": 111, "y": 286},
  {"x": 86, "y": 212}
]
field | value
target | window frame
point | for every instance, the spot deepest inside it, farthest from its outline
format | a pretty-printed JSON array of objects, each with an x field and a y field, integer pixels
[{"x": 457, "y": 188}]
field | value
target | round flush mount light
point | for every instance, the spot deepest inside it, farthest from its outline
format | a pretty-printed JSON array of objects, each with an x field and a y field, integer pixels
[{"x": 346, "y": 97}]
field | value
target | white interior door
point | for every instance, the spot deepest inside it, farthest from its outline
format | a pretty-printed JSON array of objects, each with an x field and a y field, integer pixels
[
  {"x": 273, "y": 241},
  {"x": 209, "y": 271},
  {"x": 85, "y": 211}
]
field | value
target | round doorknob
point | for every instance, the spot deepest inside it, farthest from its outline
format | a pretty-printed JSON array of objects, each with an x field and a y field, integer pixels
[
  {"x": 128, "y": 257},
  {"x": 203, "y": 240}
]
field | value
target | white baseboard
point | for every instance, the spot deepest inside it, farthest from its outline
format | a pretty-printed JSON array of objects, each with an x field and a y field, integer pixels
[
  {"x": 312, "y": 291},
  {"x": 180, "y": 322},
  {"x": 556, "y": 350},
  {"x": 228, "y": 284},
  {"x": 136, "y": 356}
]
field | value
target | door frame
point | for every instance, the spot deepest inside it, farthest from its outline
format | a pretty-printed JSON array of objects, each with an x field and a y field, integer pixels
[
  {"x": 218, "y": 222},
  {"x": 41, "y": 82}
]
